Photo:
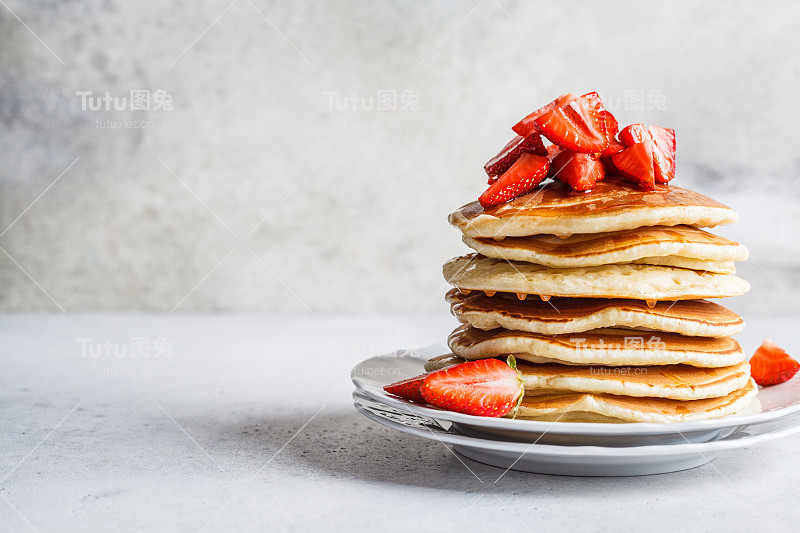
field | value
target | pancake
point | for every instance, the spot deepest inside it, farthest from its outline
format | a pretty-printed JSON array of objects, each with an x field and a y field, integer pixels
[
  {"x": 571, "y": 315},
  {"x": 646, "y": 282},
  {"x": 612, "y": 205},
  {"x": 612, "y": 347},
  {"x": 718, "y": 267},
  {"x": 681, "y": 246},
  {"x": 569, "y": 407},
  {"x": 678, "y": 382}
]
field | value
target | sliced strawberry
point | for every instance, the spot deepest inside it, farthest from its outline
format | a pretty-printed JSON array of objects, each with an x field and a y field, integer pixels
[
  {"x": 614, "y": 147},
  {"x": 635, "y": 133},
  {"x": 661, "y": 142},
  {"x": 486, "y": 387},
  {"x": 510, "y": 153},
  {"x": 552, "y": 151},
  {"x": 771, "y": 364},
  {"x": 636, "y": 164},
  {"x": 525, "y": 174},
  {"x": 612, "y": 126},
  {"x": 408, "y": 389},
  {"x": 579, "y": 171},
  {"x": 664, "y": 153},
  {"x": 581, "y": 125},
  {"x": 526, "y": 126},
  {"x": 609, "y": 166}
]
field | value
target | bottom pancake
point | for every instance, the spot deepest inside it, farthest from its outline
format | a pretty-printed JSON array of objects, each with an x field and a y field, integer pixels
[
  {"x": 676, "y": 382},
  {"x": 567, "y": 407}
]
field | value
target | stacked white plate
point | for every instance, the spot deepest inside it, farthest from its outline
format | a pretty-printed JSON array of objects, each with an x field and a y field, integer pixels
[{"x": 567, "y": 448}]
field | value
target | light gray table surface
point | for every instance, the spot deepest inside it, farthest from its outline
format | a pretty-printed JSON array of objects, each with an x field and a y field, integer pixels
[{"x": 244, "y": 422}]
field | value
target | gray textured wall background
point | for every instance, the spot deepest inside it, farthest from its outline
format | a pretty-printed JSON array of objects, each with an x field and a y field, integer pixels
[{"x": 255, "y": 193}]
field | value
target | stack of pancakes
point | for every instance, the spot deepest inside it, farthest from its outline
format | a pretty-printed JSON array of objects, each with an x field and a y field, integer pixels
[{"x": 600, "y": 296}]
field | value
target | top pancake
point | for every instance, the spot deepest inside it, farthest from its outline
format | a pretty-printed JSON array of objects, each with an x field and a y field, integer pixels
[
  {"x": 648, "y": 245},
  {"x": 612, "y": 205}
]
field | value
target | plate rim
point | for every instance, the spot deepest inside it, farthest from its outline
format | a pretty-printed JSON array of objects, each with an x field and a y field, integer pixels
[{"x": 524, "y": 448}]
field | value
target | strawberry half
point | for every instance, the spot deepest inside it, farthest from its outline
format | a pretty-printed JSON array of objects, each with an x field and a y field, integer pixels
[
  {"x": 526, "y": 126},
  {"x": 486, "y": 387},
  {"x": 771, "y": 364},
  {"x": 636, "y": 164},
  {"x": 579, "y": 171},
  {"x": 408, "y": 389},
  {"x": 497, "y": 165},
  {"x": 526, "y": 173},
  {"x": 581, "y": 125},
  {"x": 662, "y": 143}
]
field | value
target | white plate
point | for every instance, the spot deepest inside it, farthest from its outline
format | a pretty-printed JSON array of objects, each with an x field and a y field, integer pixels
[
  {"x": 573, "y": 460},
  {"x": 371, "y": 375}
]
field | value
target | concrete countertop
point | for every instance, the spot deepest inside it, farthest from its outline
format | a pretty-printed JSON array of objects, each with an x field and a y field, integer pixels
[{"x": 245, "y": 422}]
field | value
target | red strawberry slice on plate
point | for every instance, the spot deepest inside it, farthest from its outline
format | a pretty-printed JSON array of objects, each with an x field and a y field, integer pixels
[
  {"x": 497, "y": 165},
  {"x": 636, "y": 164},
  {"x": 581, "y": 125},
  {"x": 486, "y": 387},
  {"x": 771, "y": 364},
  {"x": 526, "y": 126},
  {"x": 579, "y": 171},
  {"x": 408, "y": 389},
  {"x": 525, "y": 174},
  {"x": 662, "y": 143}
]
